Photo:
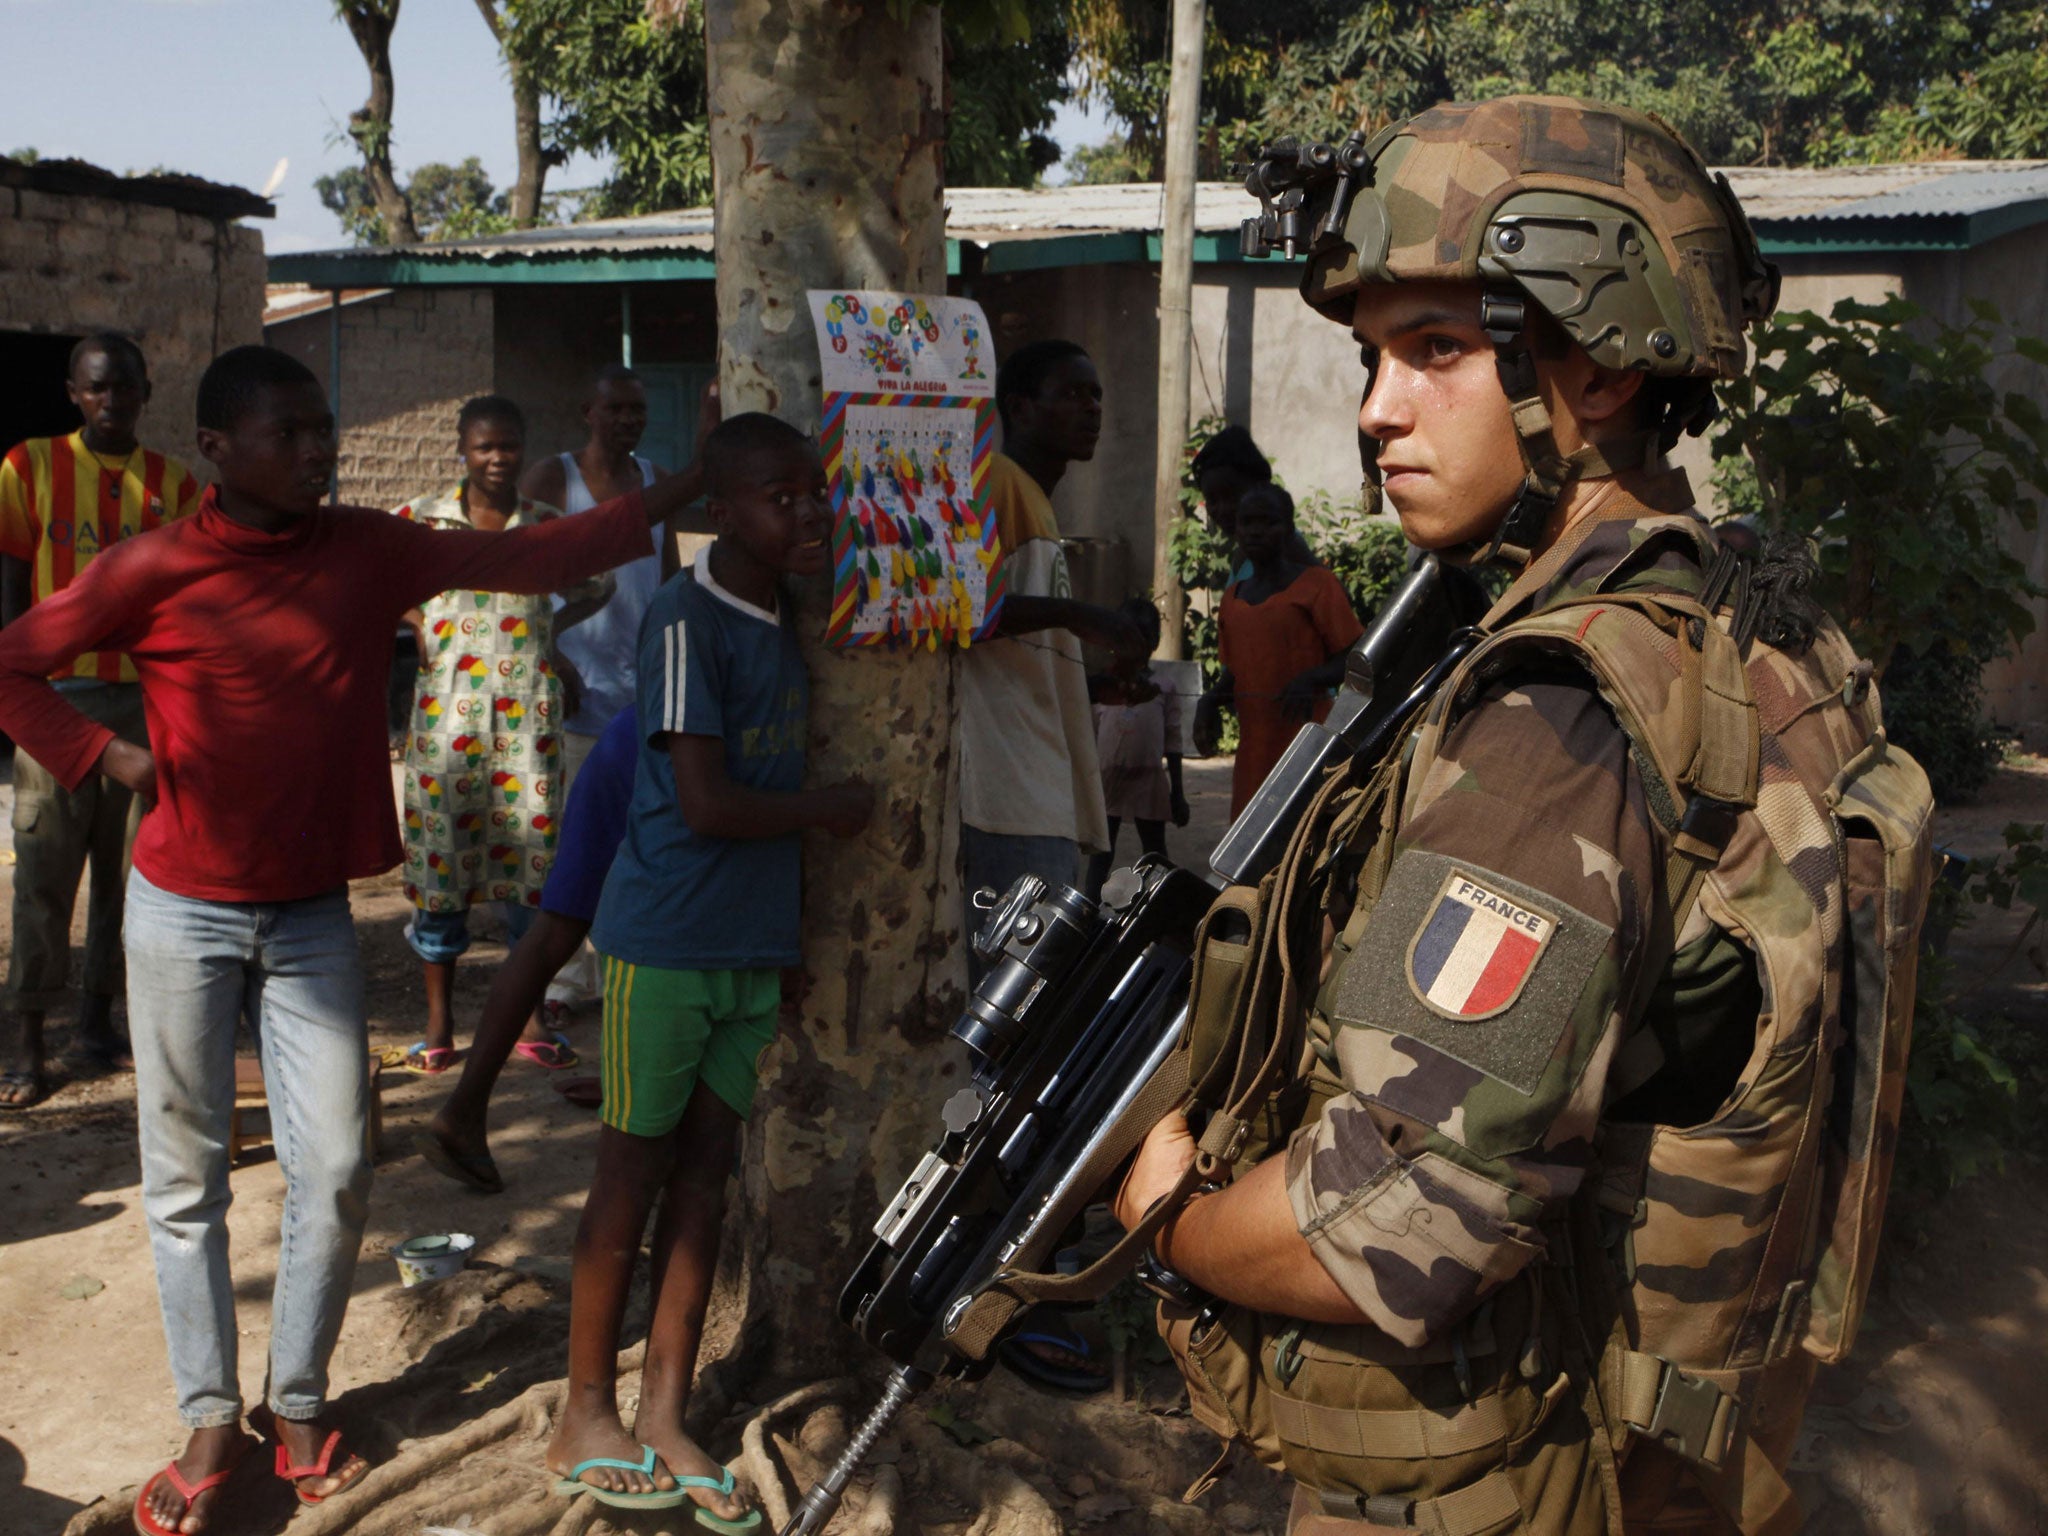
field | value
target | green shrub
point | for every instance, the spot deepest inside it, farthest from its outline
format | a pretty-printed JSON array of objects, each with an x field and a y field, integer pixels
[{"x": 1877, "y": 434}]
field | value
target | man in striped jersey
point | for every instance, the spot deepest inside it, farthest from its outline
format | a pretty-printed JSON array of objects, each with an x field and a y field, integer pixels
[{"x": 62, "y": 501}]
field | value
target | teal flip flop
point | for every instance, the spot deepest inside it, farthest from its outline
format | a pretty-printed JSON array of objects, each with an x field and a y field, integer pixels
[
  {"x": 659, "y": 1498},
  {"x": 722, "y": 1486}
]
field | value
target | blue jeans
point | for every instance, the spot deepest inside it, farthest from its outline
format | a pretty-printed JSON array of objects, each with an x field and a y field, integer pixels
[
  {"x": 996, "y": 859},
  {"x": 442, "y": 938},
  {"x": 194, "y": 968}
]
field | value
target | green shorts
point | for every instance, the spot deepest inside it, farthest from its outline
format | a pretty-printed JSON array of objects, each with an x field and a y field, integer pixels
[{"x": 666, "y": 1031}]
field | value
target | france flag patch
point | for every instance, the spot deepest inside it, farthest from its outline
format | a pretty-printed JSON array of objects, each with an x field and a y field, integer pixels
[{"x": 1475, "y": 949}]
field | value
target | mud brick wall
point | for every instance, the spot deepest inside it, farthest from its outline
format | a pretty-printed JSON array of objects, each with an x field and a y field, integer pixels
[
  {"x": 184, "y": 285},
  {"x": 408, "y": 361}
]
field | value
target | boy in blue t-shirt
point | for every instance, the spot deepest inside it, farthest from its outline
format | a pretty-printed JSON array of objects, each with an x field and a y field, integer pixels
[{"x": 699, "y": 917}]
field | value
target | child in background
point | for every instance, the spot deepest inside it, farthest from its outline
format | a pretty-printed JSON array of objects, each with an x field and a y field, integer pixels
[
  {"x": 483, "y": 765},
  {"x": 261, "y": 630},
  {"x": 1137, "y": 743},
  {"x": 1283, "y": 631},
  {"x": 700, "y": 915},
  {"x": 593, "y": 826},
  {"x": 1224, "y": 469}
]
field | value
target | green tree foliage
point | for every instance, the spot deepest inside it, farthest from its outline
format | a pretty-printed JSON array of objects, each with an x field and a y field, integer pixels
[
  {"x": 617, "y": 83},
  {"x": 1881, "y": 434},
  {"x": 1001, "y": 93},
  {"x": 1749, "y": 82},
  {"x": 449, "y": 202}
]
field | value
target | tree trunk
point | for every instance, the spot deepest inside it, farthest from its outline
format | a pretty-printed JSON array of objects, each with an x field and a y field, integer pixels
[
  {"x": 1176, "y": 299},
  {"x": 534, "y": 159},
  {"x": 370, "y": 23},
  {"x": 826, "y": 141}
]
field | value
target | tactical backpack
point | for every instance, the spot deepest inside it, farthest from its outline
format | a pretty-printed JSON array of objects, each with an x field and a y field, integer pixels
[{"x": 1653, "y": 1363}]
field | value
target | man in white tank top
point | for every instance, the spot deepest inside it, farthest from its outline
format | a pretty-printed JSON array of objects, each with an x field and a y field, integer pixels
[{"x": 596, "y": 657}]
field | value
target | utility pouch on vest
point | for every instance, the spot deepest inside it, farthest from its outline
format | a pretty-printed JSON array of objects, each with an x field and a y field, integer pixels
[
  {"x": 1883, "y": 806},
  {"x": 1216, "y": 1349}
]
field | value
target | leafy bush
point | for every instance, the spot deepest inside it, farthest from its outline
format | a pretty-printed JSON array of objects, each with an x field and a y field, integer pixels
[
  {"x": 1877, "y": 434},
  {"x": 1964, "y": 1100}
]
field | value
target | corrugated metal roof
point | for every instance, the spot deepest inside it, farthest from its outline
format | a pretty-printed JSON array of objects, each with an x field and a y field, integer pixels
[
  {"x": 1931, "y": 205},
  {"x": 1888, "y": 191}
]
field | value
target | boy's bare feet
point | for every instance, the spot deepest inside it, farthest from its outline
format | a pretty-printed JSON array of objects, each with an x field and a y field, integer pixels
[
  {"x": 590, "y": 1429},
  {"x": 207, "y": 1452},
  {"x": 686, "y": 1458},
  {"x": 458, "y": 1147}
]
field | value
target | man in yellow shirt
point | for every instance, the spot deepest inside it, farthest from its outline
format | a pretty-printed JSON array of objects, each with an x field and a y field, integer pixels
[
  {"x": 1030, "y": 793},
  {"x": 62, "y": 501},
  {"x": 1030, "y": 790}
]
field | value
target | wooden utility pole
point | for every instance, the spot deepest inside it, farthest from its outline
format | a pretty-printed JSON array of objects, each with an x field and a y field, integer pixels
[
  {"x": 827, "y": 124},
  {"x": 1176, "y": 289}
]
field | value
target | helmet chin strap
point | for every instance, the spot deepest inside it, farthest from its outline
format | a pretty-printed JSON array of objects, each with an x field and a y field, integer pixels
[{"x": 1548, "y": 474}]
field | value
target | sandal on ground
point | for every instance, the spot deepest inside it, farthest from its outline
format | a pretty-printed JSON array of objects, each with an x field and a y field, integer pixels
[
  {"x": 656, "y": 1498},
  {"x": 424, "y": 1060},
  {"x": 145, "y": 1522},
  {"x": 36, "y": 1083},
  {"x": 476, "y": 1169},
  {"x": 321, "y": 1468},
  {"x": 722, "y": 1486},
  {"x": 556, "y": 1015},
  {"x": 1084, "y": 1376},
  {"x": 553, "y": 1053},
  {"x": 583, "y": 1092}
]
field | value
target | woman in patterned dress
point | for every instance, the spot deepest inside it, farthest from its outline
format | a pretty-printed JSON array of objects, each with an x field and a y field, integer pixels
[{"x": 483, "y": 774}]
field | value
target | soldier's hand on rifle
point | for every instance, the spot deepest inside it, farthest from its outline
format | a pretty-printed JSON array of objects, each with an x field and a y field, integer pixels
[{"x": 1162, "y": 1158}]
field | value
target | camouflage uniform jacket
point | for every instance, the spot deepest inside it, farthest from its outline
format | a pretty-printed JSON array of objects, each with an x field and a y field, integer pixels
[{"x": 1472, "y": 1022}]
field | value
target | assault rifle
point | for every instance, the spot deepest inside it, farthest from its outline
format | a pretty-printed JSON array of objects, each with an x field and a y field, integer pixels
[{"x": 1082, "y": 1008}]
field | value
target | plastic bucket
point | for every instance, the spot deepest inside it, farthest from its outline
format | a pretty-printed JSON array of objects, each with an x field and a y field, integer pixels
[{"x": 422, "y": 1260}]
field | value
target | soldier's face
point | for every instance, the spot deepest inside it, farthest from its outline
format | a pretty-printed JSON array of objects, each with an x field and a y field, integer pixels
[{"x": 1450, "y": 461}]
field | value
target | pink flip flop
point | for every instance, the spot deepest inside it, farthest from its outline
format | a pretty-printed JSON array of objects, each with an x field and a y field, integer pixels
[
  {"x": 424, "y": 1060},
  {"x": 554, "y": 1053}
]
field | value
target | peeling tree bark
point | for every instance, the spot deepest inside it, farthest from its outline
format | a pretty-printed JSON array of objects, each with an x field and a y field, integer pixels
[{"x": 827, "y": 141}]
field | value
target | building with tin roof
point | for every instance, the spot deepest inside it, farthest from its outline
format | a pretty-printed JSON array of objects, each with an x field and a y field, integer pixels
[{"x": 404, "y": 334}]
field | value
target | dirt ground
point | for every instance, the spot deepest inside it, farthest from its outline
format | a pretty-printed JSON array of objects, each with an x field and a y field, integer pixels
[{"x": 1937, "y": 1424}]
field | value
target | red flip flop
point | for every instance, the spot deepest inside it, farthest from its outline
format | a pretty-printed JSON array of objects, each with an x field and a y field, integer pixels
[
  {"x": 145, "y": 1522},
  {"x": 296, "y": 1475}
]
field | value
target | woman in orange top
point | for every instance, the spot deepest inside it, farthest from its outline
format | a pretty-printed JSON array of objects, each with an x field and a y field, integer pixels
[{"x": 1284, "y": 631}]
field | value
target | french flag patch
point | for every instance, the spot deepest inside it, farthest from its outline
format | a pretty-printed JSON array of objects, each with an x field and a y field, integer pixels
[{"x": 1475, "y": 949}]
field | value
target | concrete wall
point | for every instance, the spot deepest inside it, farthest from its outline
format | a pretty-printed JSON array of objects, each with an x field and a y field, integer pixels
[
  {"x": 186, "y": 287},
  {"x": 2009, "y": 272},
  {"x": 409, "y": 359}
]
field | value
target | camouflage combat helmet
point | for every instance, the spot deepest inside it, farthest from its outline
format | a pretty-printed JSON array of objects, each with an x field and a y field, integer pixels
[{"x": 1600, "y": 215}]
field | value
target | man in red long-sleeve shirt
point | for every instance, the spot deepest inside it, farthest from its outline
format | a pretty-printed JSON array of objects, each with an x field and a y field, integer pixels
[{"x": 260, "y": 628}]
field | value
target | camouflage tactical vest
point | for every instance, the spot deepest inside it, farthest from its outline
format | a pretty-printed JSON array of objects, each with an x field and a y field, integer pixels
[{"x": 1653, "y": 1365}]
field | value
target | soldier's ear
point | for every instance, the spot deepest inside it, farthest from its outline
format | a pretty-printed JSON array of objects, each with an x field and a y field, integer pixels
[{"x": 1597, "y": 395}]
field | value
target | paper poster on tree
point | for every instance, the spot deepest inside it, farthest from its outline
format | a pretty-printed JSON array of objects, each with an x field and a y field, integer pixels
[{"x": 909, "y": 423}]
